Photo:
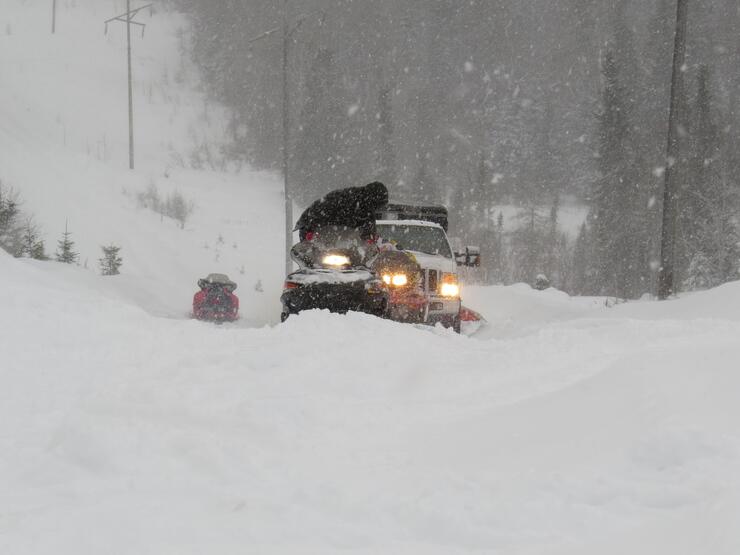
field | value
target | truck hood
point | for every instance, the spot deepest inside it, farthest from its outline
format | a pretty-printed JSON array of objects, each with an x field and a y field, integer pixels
[{"x": 435, "y": 262}]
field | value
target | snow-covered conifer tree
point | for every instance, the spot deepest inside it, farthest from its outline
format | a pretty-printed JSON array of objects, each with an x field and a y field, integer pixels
[
  {"x": 111, "y": 263},
  {"x": 65, "y": 248},
  {"x": 31, "y": 245}
]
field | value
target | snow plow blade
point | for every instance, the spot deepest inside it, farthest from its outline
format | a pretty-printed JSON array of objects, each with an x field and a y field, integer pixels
[{"x": 468, "y": 315}]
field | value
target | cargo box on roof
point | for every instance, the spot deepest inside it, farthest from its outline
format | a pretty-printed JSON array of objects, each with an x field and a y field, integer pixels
[{"x": 427, "y": 213}]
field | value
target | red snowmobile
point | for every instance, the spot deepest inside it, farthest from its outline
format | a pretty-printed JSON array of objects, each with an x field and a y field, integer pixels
[{"x": 216, "y": 302}]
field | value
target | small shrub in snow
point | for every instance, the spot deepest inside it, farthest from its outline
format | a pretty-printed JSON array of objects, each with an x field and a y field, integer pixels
[
  {"x": 175, "y": 206},
  {"x": 541, "y": 282},
  {"x": 65, "y": 248},
  {"x": 111, "y": 263},
  {"x": 699, "y": 274},
  {"x": 150, "y": 198}
]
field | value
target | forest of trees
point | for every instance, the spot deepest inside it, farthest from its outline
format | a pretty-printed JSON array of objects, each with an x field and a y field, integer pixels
[{"x": 486, "y": 103}]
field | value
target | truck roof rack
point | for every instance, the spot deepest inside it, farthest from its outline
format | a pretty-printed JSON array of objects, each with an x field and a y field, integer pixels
[{"x": 425, "y": 212}]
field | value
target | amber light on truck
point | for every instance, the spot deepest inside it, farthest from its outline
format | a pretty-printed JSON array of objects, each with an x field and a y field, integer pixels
[{"x": 450, "y": 287}]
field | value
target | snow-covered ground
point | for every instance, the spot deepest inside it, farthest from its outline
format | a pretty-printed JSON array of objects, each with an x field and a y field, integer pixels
[
  {"x": 561, "y": 427},
  {"x": 564, "y": 427}
]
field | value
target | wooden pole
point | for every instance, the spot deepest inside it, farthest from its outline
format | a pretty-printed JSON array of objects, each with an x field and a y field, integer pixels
[
  {"x": 286, "y": 143},
  {"x": 130, "y": 89},
  {"x": 53, "y": 16},
  {"x": 666, "y": 285}
]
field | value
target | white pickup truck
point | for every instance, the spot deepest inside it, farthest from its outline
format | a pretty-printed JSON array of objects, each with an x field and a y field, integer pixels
[{"x": 420, "y": 230}]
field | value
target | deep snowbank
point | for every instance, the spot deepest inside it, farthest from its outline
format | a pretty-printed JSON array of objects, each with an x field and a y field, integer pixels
[{"x": 121, "y": 432}]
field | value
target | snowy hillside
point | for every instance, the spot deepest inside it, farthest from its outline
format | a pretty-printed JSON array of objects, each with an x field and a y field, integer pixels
[
  {"x": 570, "y": 428},
  {"x": 563, "y": 426},
  {"x": 64, "y": 148}
]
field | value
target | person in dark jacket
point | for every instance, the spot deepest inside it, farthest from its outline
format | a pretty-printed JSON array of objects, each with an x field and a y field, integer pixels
[{"x": 353, "y": 207}]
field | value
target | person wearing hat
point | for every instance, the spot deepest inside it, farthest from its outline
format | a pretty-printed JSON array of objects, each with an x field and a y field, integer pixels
[{"x": 352, "y": 208}]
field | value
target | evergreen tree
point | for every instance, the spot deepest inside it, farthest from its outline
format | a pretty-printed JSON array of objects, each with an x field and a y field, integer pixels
[
  {"x": 31, "y": 246},
  {"x": 580, "y": 279},
  {"x": 557, "y": 256},
  {"x": 65, "y": 248},
  {"x": 111, "y": 263},
  {"x": 38, "y": 252},
  {"x": 700, "y": 274},
  {"x": 529, "y": 246},
  {"x": 617, "y": 211},
  {"x": 708, "y": 243},
  {"x": 613, "y": 131},
  {"x": 10, "y": 234}
]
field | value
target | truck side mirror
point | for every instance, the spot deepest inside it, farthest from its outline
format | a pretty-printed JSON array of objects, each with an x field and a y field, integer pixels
[{"x": 470, "y": 257}]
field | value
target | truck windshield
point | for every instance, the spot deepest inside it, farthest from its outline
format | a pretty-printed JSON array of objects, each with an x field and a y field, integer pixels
[{"x": 419, "y": 238}]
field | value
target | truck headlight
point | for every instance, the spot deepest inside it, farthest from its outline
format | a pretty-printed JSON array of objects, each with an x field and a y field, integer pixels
[
  {"x": 450, "y": 290},
  {"x": 335, "y": 260},
  {"x": 450, "y": 287},
  {"x": 397, "y": 280}
]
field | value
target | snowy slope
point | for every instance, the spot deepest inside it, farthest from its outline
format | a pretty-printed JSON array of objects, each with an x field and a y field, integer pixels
[
  {"x": 64, "y": 147},
  {"x": 563, "y": 427},
  {"x": 598, "y": 431}
]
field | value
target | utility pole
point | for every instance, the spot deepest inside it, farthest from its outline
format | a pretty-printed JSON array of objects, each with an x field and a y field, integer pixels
[
  {"x": 53, "y": 16},
  {"x": 128, "y": 19},
  {"x": 130, "y": 89},
  {"x": 286, "y": 142},
  {"x": 666, "y": 285}
]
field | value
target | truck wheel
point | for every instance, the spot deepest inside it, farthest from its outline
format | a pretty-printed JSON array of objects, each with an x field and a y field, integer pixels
[
  {"x": 284, "y": 315},
  {"x": 456, "y": 324}
]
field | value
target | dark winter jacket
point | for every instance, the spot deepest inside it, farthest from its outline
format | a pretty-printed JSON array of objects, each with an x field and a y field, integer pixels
[{"x": 353, "y": 207}]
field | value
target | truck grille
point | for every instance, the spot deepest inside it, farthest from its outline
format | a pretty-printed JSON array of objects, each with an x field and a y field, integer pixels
[{"x": 433, "y": 281}]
